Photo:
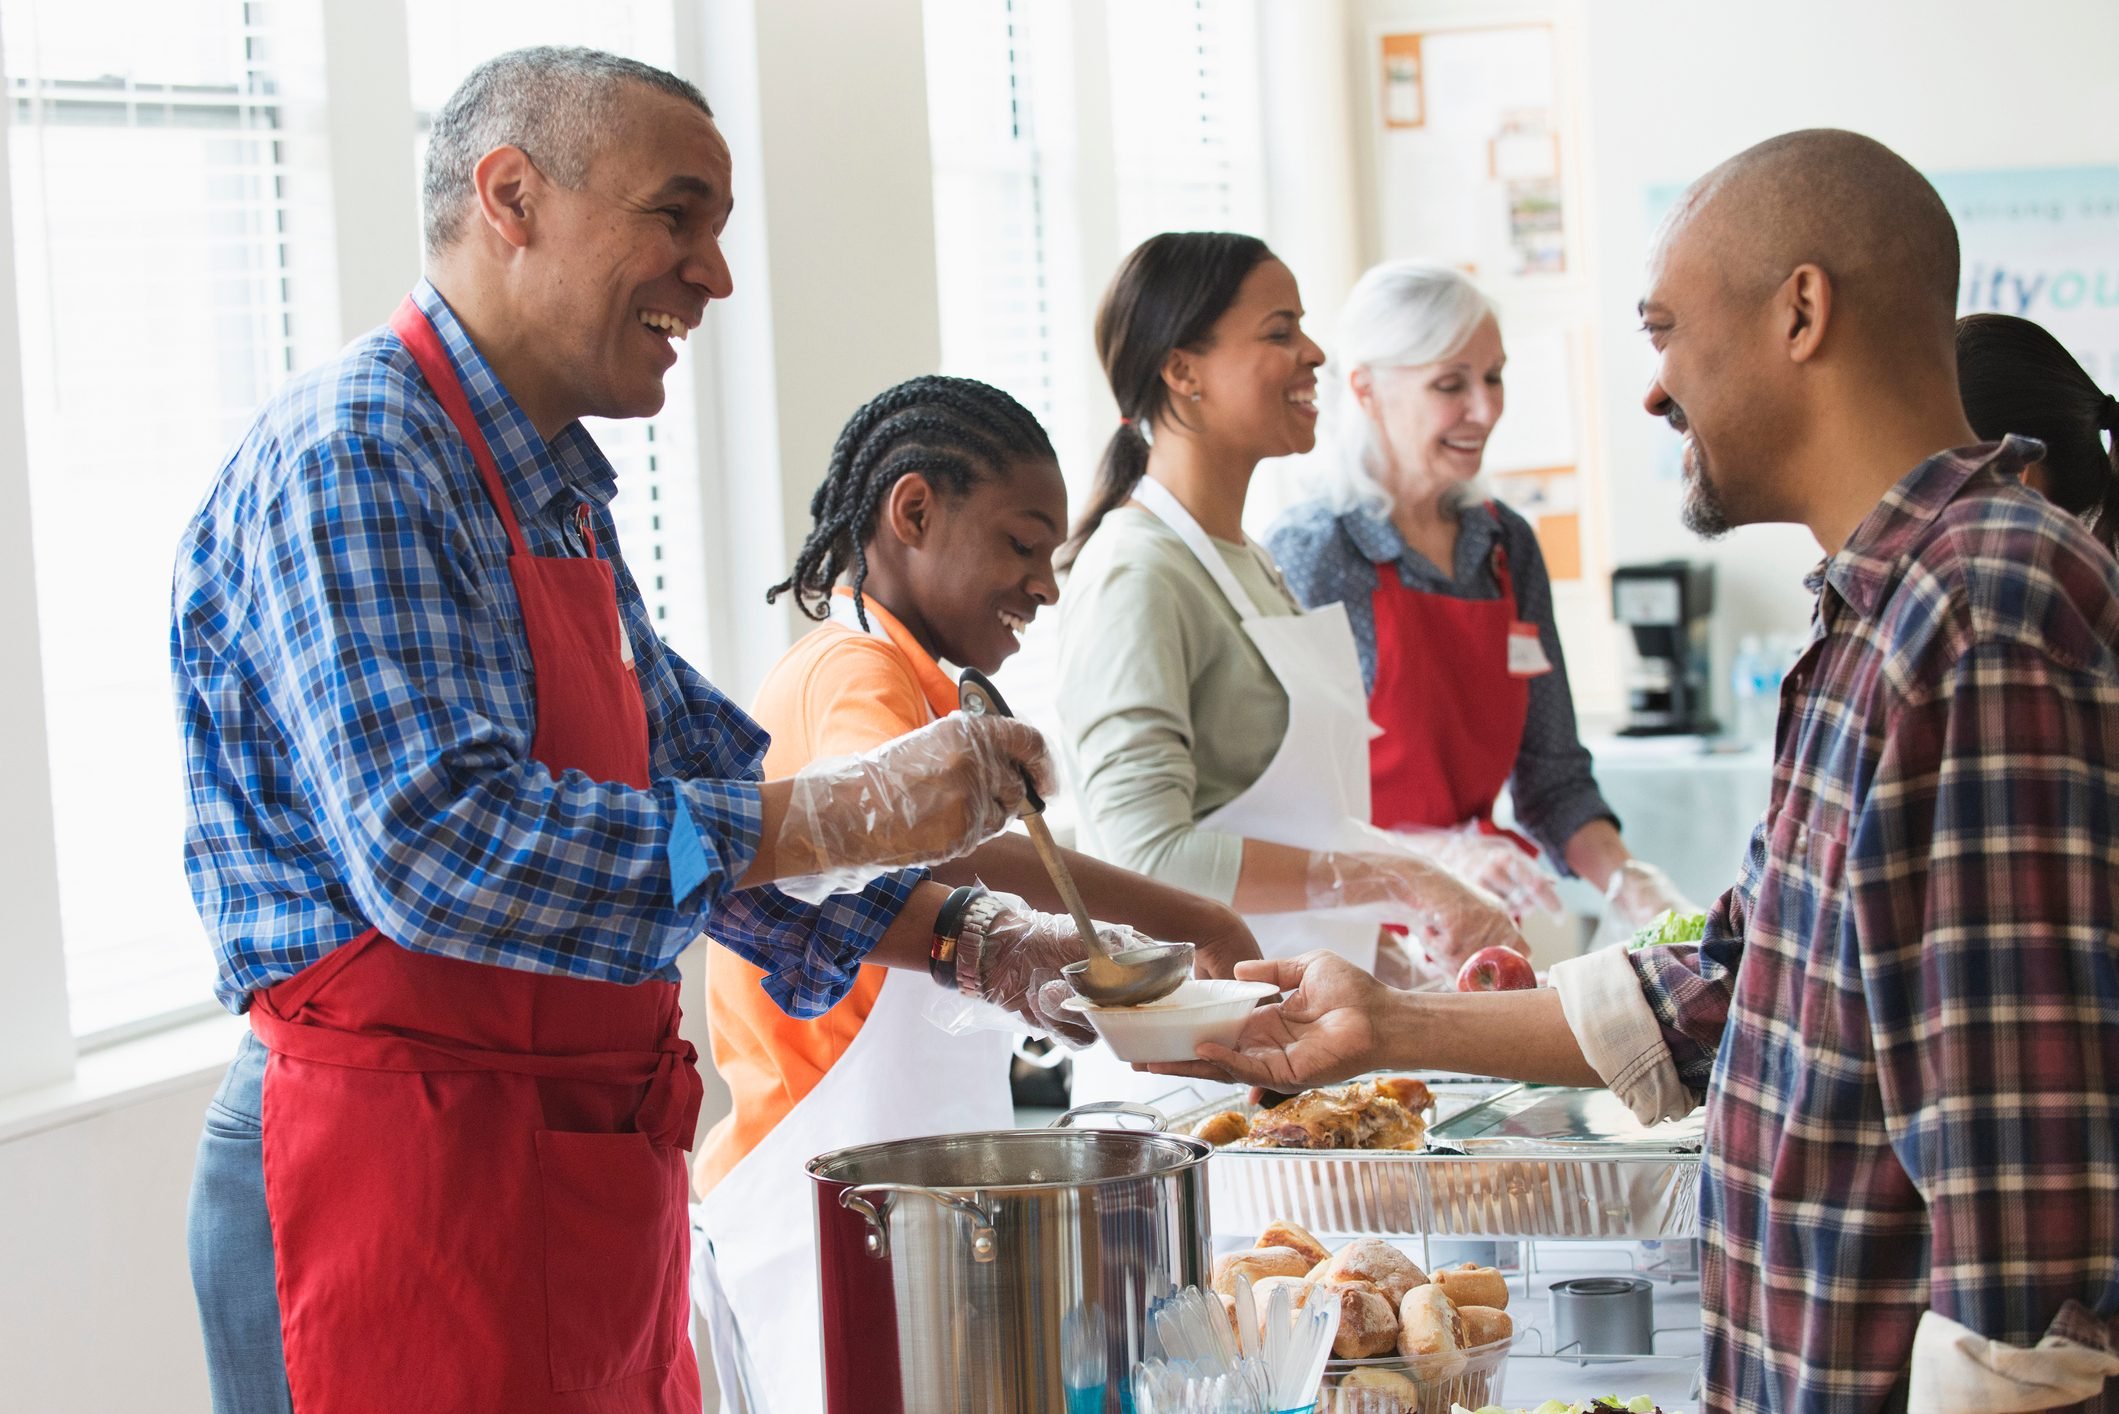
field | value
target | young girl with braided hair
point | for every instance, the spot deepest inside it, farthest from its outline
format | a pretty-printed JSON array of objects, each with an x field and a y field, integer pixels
[{"x": 935, "y": 528}]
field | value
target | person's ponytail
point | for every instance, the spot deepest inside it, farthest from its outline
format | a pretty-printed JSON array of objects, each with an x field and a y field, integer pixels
[
  {"x": 1124, "y": 463},
  {"x": 1167, "y": 295},
  {"x": 2015, "y": 378}
]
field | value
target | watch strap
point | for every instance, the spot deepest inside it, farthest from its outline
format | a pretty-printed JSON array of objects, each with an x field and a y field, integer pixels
[{"x": 948, "y": 929}]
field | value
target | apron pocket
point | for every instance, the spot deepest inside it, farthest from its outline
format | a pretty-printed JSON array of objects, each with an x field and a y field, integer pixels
[{"x": 614, "y": 1255}]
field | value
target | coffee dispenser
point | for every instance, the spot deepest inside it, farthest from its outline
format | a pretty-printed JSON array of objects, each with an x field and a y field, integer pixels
[{"x": 1666, "y": 606}]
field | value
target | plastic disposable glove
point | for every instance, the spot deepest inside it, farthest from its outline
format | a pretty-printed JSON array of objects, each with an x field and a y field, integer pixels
[
  {"x": 1448, "y": 918},
  {"x": 928, "y": 796},
  {"x": 1636, "y": 895},
  {"x": 1494, "y": 863},
  {"x": 1015, "y": 968}
]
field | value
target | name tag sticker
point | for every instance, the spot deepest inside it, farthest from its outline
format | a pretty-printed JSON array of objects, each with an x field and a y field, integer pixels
[{"x": 1526, "y": 652}]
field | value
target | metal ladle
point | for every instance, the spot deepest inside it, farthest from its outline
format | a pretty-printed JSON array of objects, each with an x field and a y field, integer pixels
[{"x": 1108, "y": 976}]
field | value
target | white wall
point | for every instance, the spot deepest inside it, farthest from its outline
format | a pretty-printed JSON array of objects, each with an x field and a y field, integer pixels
[
  {"x": 1675, "y": 86},
  {"x": 832, "y": 249},
  {"x": 96, "y": 1310}
]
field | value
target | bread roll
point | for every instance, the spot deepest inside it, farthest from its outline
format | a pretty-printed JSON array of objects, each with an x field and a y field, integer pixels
[
  {"x": 1376, "y": 1262},
  {"x": 1365, "y": 1387},
  {"x": 1317, "y": 1272},
  {"x": 1257, "y": 1264},
  {"x": 1432, "y": 1331},
  {"x": 1368, "y": 1326},
  {"x": 1284, "y": 1234},
  {"x": 1472, "y": 1285},
  {"x": 1224, "y": 1128},
  {"x": 1483, "y": 1325}
]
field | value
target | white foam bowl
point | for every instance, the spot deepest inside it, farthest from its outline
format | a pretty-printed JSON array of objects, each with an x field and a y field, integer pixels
[{"x": 1201, "y": 1009}]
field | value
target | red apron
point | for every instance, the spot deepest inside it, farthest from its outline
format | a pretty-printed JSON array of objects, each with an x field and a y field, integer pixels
[
  {"x": 474, "y": 1174},
  {"x": 1449, "y": 700}
]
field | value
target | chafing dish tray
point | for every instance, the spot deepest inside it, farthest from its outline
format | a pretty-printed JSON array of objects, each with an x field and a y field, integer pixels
[{"x": 1500, "y": 1160}]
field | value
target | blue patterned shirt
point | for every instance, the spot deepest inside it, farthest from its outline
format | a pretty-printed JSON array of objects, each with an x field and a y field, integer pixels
[{"x": 355, "y": 695}]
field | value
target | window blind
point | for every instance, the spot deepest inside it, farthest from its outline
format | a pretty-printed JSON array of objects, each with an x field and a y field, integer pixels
[
  {"x": 1185, "y": 116},
  {"x": 155, "y": 180},
  {"x": 991, "y": 243}
]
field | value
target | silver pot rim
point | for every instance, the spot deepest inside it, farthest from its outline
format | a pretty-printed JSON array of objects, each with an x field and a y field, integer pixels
[{"x": 1194, "y": 1151}]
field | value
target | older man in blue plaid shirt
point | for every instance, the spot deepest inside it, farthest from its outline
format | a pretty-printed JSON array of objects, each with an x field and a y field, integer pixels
[
  {"x": 1904, "y": 1020},
  {"x": 363, "y": 687}
]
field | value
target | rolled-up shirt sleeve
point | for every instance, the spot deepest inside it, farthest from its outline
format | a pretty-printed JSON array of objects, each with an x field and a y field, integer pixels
[{"x": 1650, "y": 1020}]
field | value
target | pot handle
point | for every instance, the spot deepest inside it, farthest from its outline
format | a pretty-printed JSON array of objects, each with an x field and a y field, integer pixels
[
  {"x": 984, "y": 1246},
  {"x": 1153, "y": 1116}
]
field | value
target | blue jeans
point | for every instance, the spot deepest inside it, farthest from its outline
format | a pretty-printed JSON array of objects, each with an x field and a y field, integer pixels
[{"x": 231, "y": 1247}]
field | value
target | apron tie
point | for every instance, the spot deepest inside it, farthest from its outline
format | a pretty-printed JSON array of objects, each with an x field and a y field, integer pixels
[{"x": 668, "y": 1114}]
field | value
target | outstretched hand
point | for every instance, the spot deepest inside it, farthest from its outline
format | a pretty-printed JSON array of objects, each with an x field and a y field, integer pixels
[{"x": 1329, "y": 1027}]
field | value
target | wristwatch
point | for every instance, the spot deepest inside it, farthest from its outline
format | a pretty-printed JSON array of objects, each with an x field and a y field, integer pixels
[
  {"x": 948, "y": 930},
  {"x": 979, "y": 915}
]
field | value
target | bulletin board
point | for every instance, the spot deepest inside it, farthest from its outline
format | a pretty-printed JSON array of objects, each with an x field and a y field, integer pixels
[
  {"x": 1470, "y": 175},
  {"x": 1471, "y": 112}
]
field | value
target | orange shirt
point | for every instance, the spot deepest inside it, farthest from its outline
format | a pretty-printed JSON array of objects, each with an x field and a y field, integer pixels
[{"x": 836, "y": 691}]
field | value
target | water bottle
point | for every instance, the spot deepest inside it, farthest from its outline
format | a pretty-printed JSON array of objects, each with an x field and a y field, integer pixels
[{"x": 1751, "y": 691}]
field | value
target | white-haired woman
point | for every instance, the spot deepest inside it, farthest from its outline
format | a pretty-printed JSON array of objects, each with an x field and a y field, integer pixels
[{"x": 1447, "y": 594}]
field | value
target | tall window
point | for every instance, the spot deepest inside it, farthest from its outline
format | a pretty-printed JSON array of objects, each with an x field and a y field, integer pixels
[
  {"x": 1062, "y": 137},
  {"x": 1184, "y": 116},
  {"x": 657, "y": 508},
  {"x": 159, "y": 167},
  {"x": 990, "y": 231}
]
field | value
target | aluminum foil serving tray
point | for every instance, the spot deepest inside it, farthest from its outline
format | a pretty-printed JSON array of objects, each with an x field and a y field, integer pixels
[{"x": 1501, "y": 1160}]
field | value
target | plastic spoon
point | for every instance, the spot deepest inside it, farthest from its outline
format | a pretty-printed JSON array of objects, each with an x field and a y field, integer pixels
[
  {"x": 1107, "y": 977},
  {"x": 1247, "y": 1319}
]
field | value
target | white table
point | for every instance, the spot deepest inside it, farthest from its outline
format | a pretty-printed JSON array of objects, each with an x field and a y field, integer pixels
[{"x": 1686, "y": 809}]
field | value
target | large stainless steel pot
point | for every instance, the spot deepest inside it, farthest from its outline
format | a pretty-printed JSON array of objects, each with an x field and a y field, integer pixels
[{"x": 999, "y": 1272}]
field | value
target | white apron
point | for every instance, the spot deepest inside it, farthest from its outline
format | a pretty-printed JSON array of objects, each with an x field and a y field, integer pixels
[
  {"x": 901, "y": 1077},
  {"x": 1313, "y": 794}
]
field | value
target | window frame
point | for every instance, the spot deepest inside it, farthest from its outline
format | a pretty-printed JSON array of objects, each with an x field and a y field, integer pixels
[{"x": 367, "y": 129}]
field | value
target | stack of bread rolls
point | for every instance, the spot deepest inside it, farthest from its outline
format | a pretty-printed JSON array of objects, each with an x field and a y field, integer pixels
[{"x": 1386, "y": 1304}]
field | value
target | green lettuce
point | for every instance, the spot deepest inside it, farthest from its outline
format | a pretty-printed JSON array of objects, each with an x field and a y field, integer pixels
[{"x": 1669, "y": 927}]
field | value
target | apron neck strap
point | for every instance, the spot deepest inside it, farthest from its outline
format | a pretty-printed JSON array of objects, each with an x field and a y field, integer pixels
[
  {"x": 1502, "y": 579},
  {"x": 411, "y": 325},
  {"x": 1165, "y": 507},
  {"x": 843, "y": 613}
]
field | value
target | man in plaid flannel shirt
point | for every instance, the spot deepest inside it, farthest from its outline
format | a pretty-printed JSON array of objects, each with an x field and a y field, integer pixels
[{"x": 1904, "y": 1020}]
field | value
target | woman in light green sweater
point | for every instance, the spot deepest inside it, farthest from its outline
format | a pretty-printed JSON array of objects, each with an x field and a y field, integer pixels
[{"x": 1217, "y": 734}]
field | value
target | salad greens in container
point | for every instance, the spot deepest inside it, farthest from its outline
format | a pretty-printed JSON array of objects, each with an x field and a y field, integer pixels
[{"x": 1671, "y": 926}]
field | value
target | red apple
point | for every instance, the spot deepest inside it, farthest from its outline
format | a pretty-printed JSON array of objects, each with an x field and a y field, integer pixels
[{"x": 1496, "y": 969}]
